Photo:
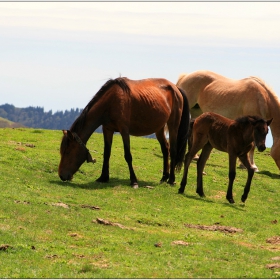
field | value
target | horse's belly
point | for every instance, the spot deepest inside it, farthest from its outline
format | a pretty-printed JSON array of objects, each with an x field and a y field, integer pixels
[{"x": 146, "y": 126}]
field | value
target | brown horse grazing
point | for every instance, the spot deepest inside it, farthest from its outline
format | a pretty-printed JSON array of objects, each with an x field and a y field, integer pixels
[
  {"x": 236, "y": 137},
  {"x": 210, "y": 92},
  {"x": 132, "y": 108}
]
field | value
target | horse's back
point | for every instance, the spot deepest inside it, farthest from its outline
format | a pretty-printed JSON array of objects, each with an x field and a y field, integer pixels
[
  {"x": 152, "y": 103},
  {"x": 228, "y": 97},
  {"x": 214, "y": 128}
]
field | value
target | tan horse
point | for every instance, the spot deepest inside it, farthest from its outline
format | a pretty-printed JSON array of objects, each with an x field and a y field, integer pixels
[{"x": 211, "y": 92}]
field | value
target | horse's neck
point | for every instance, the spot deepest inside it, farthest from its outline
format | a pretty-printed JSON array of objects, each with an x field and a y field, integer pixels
[
  {"x": 92, "y": 122},
  {"x": 194, "y": 84}
]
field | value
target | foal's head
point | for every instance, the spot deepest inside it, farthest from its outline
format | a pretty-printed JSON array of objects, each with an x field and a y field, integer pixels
[{"x": 260, "y": 132}]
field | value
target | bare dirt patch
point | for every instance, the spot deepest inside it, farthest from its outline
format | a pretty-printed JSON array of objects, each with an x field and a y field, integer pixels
[
  {"x": 91, "y": 207},
  {"x": 180, "y": 242},
  {"x": 5, "y": 247},
  {"x": 108, "y": 223},
  {"x": 273, "y": 240},
  {"x": 225, "y": 229}
]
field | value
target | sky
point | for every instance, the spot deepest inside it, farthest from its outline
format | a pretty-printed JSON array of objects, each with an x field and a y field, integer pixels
[{"x": 57, "y": 55}]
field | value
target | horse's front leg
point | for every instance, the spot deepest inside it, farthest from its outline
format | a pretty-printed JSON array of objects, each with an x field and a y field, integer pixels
[
  {"x": 231, "y": 177},
  {"x": 251, "y": 170},
  {"x": 165, "y": 153},
  {"x": 128, "y": 158},
  {"x": 108, "y": 139},
  {"x": 188, "y": 159},
  {"x": 200, "y": 167}
]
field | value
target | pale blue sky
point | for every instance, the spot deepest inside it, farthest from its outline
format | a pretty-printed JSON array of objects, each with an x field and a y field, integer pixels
[{"x": 57, "y": 55}]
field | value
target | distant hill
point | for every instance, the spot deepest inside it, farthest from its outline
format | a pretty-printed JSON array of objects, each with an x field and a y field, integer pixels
[
  {"x": 35, "y": 117},
  {"x": 6, "y": 123}
]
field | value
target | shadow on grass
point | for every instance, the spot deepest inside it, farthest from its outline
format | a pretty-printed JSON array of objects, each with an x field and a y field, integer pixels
[
  {"x": 269, "y": 174},
  {"x": 113, "y": 182},
  {"x": 196, "y": 197},
  {"x": 237, "y": 206}
]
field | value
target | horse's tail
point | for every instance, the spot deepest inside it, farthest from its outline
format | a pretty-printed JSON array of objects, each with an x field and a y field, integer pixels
[{"x": 182, "y": 136}]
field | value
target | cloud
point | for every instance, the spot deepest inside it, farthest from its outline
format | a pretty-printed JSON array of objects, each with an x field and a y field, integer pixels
[{"x": 214, "y": 23}]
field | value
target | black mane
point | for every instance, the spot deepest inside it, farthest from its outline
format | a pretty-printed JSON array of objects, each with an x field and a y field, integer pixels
[{"x": 79, "y": 122}]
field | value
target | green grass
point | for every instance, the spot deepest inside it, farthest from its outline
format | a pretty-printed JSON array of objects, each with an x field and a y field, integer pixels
[{"x": 51, "y": 231}]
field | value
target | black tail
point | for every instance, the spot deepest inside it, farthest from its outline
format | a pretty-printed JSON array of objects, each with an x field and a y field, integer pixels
[{"x": 182, "y": 137}]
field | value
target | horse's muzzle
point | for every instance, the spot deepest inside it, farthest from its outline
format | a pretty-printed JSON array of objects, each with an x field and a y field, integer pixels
[
  {"x": 66, "y": 177},
  {"x": 261, "y": 148}
]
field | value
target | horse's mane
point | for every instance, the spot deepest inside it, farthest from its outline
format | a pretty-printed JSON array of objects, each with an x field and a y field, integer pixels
[
  {"x": 79, "y": 122},
  {"x": 245, "y": 119}
]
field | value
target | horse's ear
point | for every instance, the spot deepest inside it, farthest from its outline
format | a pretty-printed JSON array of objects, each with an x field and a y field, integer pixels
[
  {"x": 269, "y": 122},
  {"x": 90, "y": 159},
  {"x": 68, "y": 133}
]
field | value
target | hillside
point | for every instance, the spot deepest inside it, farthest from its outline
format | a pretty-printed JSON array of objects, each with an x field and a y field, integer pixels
[
  {"x": 86, "y": 229},
  {"x": 6, "y": 123}
]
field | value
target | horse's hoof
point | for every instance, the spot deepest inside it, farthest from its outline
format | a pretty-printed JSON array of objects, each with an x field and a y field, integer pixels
[
  {"x": 102, "y": 180},
  {"x": 231, "y": 201},
  {"x": 164, "y": 178},
  {"x": 201, "y": 194},
  {"x": 180, "y": 191},
  {"x": 135, "y": 186},
  {"x": 196, "y": 158},
  {"x": 171, "y": 183},
  {"x": 243, "y": 199}
]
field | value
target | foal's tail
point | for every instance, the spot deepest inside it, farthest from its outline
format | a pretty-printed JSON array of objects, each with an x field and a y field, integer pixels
[{"x": 182, "y": 137}]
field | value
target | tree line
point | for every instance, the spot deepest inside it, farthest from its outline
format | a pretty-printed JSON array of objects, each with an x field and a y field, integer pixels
[{"x": 35, "y": 117}]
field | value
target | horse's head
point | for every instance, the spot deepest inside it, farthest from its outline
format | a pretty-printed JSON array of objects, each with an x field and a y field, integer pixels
[
  {"x": 73, "y": 154},
  {"x": 260, "y": 132}
]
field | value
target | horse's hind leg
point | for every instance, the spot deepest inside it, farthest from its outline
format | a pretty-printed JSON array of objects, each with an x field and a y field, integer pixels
[
  {"x": 173, "y": 153},
  {"x": 108, "y": 139},
  {"x": 165, "y": 152},
  {"x": 251, "y": 156},
  {"x": 231, "y": 177},
  {"x": 200, "y": 166},
  {"x": 250, "y": 169},
  {"x": 128, "y": 158}
]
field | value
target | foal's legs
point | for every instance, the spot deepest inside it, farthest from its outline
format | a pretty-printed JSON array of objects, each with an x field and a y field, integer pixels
[
  {"x": 199, "y": 140},
  {"x": 200, "y": 167},
  {"x": 250, "y": 169},
  {"x": 108, "y": 139},
  {"x": 188, "y": 158},
  {"x": 231, "y": 177},
  {"x": 165, "y": 152}
]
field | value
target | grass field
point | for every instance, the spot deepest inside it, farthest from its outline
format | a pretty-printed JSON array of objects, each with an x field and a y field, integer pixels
[{"x": 85, "y": 229}]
